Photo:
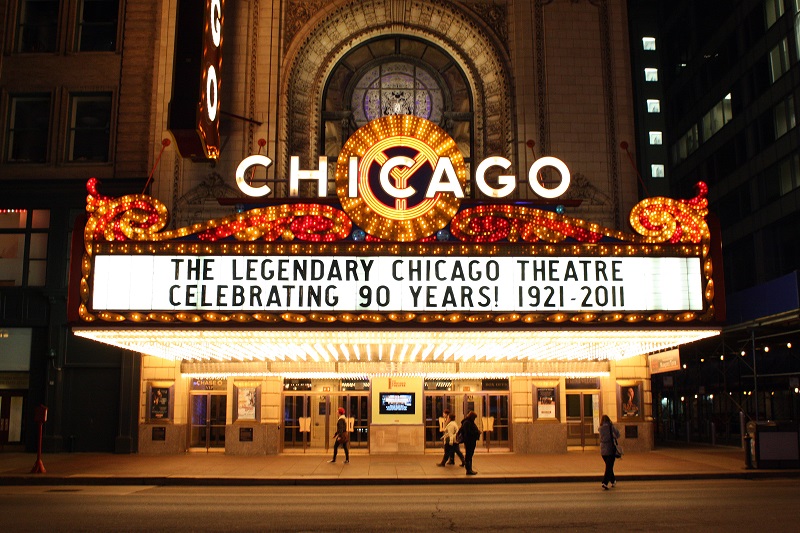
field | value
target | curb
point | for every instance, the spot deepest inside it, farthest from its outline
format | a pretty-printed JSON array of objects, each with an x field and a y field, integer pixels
[{"x": 169, "y": 481}]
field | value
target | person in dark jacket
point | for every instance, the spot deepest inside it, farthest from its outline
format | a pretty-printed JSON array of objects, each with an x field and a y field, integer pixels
[
  {"x": 471, "y": 434},
  {"x": 608, "y": 450},
  {"x": 341, "y": 437}
]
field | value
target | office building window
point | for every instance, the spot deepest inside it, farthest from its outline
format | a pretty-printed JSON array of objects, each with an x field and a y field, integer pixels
[
  {"x": 37, "y": 29},
  {"x": 718, "y": 116},
  {"x": 651, "y": 74},
  {"x": 97, "y": 26},
  {"x": 23, "y": 247},
  {"x": 654, "y": 106},
  {"x": 89, "y": 127},
  {"x": 784, "y": 116},
  {"x": 648, "y": 43},
  {"x": 657, "y": 171},
  {"x": 655, "y": 137},
  {"x": 797, "y": 26},
  {"x": 773, "y": 10},
  {"x": 779, "y": 60},
  {"x": 29, "y": 128}
]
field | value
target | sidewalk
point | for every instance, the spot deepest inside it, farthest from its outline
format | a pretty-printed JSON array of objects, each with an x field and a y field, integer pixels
[{"x": 306, "y": 469}]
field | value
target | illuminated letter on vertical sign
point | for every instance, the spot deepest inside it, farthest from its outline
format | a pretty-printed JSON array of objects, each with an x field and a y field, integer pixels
[{"x": 194, "y": 107}]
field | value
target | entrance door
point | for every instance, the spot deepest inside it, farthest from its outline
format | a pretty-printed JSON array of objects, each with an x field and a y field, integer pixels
[
  {"x": 582, "y": 409},
  {"x": 11, "y": 417},
  {"x": 309, "y": 420},
  {"x": 435, "y": 405},
  {"x": 495, "y": 421},
  {"x": 492, "y": 409},
  {"x": 296, "y": 421},
  {"x": 208, "y": 421},
  {"x": 356, "y": 407}
]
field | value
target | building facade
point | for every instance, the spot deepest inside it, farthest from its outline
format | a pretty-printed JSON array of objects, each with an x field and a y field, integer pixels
[
  {"x": 189, "y": 93},
  {"x": 727, "y": 85}
]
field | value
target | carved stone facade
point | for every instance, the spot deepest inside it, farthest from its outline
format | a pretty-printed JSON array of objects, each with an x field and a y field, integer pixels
[
  {"x": 555, "y": 72},
  {"x": 336, "y": 29}
]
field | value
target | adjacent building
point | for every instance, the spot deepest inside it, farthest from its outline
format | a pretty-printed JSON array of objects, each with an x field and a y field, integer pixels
[{"x": 721, "y": 80}]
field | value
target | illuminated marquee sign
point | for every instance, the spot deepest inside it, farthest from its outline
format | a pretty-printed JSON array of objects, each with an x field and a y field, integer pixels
[
  {"x": 402, "y": 177},
  {"x": 278, "y": 284},
  {"x": 400, "y": 247},
  {"x": 194, "y": 107}
]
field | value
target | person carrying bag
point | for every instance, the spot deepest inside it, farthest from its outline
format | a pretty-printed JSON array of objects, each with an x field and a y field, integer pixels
[{"x": 609, "y": 450}]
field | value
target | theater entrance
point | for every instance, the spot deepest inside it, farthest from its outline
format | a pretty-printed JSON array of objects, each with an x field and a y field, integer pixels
[
  {"x": 583, "y": 419},
  {"x": 207, "y": 432},
  {"x": 493, "y": 420},
  {"x": 309, "y": 420}
]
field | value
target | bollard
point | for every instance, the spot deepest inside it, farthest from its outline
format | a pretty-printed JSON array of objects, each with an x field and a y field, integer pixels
[
  {"x": 748, "y": 458},
  {"x": 41, "y": 417}
]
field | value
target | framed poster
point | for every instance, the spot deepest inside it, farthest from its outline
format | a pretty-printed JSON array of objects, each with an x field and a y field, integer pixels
[
  {"x": 629, "y": 397},
  {"x": 246, "y": 402},
  {"x": 546, "y": 406},
  {"x": 159, "y": 403}
]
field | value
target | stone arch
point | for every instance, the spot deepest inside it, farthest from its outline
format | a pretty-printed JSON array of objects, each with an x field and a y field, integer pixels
[{"x": 335, "y": 29}]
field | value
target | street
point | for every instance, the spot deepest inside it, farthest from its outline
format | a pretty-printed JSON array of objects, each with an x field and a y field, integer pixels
[{"x": 664, "y": 505}]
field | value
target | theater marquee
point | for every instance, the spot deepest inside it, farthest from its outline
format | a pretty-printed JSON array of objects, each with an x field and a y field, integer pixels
[
  {"x": 398, "y": 268},
  {"x": 385, "y": 283}
]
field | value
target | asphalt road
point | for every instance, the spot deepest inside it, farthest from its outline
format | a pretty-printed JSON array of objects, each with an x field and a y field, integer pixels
[{"x": 721, "y": 505}]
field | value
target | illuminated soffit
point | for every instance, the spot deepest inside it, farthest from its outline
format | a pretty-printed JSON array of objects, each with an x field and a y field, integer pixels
[{"x": 395, "y": 346}]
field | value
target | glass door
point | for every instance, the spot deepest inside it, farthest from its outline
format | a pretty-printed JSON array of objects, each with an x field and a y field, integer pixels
[
  {"x": 583, "y": 414},
  {"x": 495, "y": 422},
  {"x": 309, "y": 420},
  {"x": 296, "y": 421},
  {"x": 435, "y": 406},
  {"x": 356, "y": 407},
  {"x": 208, "y": 421},
  {"x": 492, "y": 409},
  {"x": 11, "y": 417}
]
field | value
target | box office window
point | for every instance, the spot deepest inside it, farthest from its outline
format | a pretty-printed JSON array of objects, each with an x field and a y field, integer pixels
[
  {"x": 97, "y": 26},
  {"x": 89, "y": 127},
  {"x": 37, "y": 30},
  {"x": 23, "y": 247},
  {"x": 29, "y": 128}
]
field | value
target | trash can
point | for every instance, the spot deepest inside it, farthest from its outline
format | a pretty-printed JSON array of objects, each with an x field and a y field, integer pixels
[{"x": 773, "y": 444}]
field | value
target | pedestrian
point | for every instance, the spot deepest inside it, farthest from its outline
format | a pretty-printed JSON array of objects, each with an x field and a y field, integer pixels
[
  {"x": 451, "y": 445},
  {"x": 341, "y": 438},
  {"x": 470, "y": 435},
  {"x": 608, "y": 450}
]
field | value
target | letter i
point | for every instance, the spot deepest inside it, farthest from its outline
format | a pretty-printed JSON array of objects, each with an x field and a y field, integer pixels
[{"x": 352, "y": 177}]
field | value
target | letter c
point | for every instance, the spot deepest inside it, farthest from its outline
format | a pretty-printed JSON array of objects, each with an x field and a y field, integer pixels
[{"x": 246, "y": 163}]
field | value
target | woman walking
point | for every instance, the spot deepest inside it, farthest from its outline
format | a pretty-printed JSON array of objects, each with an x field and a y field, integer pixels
[
  {"x": 451, "y": 447},
  {"x": 608, "y": 450}
]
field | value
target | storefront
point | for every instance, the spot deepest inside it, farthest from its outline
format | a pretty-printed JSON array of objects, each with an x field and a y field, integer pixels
[{"x": 395, "y": 300}]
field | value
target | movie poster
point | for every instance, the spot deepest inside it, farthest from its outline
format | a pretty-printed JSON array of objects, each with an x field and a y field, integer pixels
[
  {"x": 159, "y": 403},
  {"x": 630, "y": 400},
  {"x": 546, "y": 403},
  {"x": 247, "y": 403}
]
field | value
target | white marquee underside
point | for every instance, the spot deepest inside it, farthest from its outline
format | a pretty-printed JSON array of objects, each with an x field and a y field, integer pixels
[{"x": 364, "y": 352}]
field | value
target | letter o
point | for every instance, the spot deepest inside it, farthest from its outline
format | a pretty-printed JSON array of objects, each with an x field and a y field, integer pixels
[
  {"x": 549, "y": 162},
  {"x": 211, "y": 93},
  {"x": 246, "y": 163}
]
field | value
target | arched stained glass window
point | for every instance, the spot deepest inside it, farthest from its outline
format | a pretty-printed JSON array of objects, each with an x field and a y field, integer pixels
[{"x": 396, "y": 88}]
